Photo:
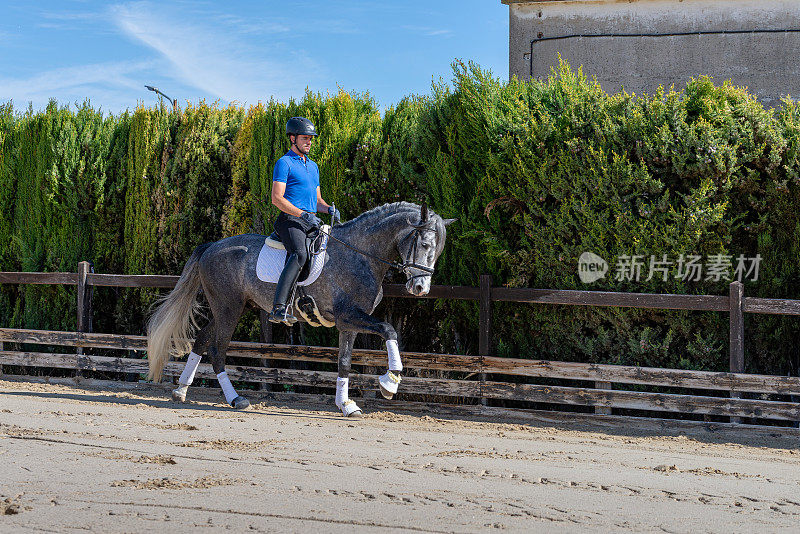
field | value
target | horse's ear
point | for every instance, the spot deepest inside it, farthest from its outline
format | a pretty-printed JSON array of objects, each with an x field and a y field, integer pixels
[
  {"x": 448, "y": 222},
  {"x": 423, "y": 213}
]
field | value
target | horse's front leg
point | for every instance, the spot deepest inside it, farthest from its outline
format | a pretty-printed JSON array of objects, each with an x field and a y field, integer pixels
[
  {"x": 349, "y": 408},
  {"x": 360, "y": 321}
]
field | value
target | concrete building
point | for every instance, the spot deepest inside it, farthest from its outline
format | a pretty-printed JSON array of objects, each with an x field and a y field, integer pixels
[{"x": 641, "y": 44}]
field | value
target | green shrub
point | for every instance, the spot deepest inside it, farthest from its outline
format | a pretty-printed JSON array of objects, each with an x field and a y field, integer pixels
[{"x": 535, "y": 172}]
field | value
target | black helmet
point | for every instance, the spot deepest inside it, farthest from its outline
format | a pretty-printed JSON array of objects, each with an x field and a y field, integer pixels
[{"x": 300, "y": 126}]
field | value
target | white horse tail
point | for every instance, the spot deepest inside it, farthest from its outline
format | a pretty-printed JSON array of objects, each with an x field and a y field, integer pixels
[{"x": 172, "y": 325}]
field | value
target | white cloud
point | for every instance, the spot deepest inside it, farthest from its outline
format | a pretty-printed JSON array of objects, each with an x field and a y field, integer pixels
[
  {"x": 429, "y": 31},
  {"x": 337, "y": 27},
  {"x": 255, "y": 26},
  {"x": 60, "y": 20},
  {"x": 60, "y": 15},
  {"x": 108, "y": 83},
  {"x": 214, "y": 59}
]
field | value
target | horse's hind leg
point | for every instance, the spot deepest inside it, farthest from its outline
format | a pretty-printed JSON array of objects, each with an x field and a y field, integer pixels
[
  {"x": 201, "y": 343},
  {"x": 226, "y": 323}
]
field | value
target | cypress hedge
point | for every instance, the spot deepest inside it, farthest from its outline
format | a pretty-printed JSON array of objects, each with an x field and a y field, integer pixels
[{"x": 537, "y": 173}]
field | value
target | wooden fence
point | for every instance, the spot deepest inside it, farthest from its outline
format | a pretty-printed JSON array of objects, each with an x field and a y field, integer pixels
[{"x": 487, "y": 378}]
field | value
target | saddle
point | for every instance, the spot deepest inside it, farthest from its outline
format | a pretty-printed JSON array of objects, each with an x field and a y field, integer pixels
[{"x": 272, "y": 257}]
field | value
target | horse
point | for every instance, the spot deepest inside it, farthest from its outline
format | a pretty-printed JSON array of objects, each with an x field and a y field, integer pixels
[{"x": 348, "y": 289}]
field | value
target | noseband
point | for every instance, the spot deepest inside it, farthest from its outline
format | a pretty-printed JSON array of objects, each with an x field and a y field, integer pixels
[{"x": 408, "y": 264}]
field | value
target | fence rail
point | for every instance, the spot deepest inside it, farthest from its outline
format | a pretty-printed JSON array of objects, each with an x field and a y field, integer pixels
[
  {"x": 498, "y": 294},
  {"x": 492, "y": 389},
  {"x": 604, "y": 387}
]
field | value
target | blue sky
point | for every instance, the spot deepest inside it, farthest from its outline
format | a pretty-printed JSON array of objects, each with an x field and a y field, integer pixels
[{"x": 246, "y": 52}]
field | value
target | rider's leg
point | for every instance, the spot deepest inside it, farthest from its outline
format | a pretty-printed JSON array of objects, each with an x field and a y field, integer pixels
[
  {"x": 293, "y": 235},
  {"x": 286, "y": 282}
]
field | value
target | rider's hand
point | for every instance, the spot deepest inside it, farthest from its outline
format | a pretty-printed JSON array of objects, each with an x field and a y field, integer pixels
[
  {"x": 311, "y": 219},
  {"x": 336, "y": 217}
]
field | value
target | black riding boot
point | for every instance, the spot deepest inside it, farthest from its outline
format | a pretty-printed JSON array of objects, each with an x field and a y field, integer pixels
[{"x": 291, "y": 271}]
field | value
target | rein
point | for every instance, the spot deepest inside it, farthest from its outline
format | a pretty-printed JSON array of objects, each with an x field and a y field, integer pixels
[{"x": 402, "y": 267}]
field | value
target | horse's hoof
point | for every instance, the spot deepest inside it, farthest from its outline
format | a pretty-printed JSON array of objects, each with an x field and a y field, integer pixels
[
  {"x": 240, "y": 403},
  {"x": 388, "y": 395},
  {"x": 178, "y": 395},
  {"x": 356, "y": 415},
  {"x": 388, "y": 384},
  {"x": 350, "y": 409}
]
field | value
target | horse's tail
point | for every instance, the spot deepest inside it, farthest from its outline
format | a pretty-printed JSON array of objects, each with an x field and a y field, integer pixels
[{"x": 172, "y": 325}]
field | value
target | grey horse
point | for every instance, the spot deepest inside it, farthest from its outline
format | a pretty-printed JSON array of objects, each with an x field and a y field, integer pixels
[{"x": 347, "y": 291}]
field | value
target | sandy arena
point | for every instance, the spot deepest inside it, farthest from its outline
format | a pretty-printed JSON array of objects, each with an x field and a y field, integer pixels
[{"x": 77, "y": 459}]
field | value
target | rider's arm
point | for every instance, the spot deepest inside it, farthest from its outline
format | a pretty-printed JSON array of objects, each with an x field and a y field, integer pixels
[
  {"x": 322, "y": 206},
  {"x": 278, "y": 189}
]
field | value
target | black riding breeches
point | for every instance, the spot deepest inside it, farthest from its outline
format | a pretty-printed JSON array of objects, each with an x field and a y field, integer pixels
[{"x": 292, "y": 231}]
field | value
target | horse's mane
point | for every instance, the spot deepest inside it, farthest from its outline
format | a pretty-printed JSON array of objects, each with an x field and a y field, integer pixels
[{"x": 381, "y": 212}]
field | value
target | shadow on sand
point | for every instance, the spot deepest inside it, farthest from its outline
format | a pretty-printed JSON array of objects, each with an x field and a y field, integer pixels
[{"x": 305, "y": 406}]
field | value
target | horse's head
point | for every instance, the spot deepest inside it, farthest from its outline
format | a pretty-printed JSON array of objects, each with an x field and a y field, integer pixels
[{"x": 421, "y": 248}]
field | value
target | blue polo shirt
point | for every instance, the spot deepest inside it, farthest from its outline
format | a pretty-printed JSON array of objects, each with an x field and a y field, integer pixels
[{"x": 301, "y": 177}]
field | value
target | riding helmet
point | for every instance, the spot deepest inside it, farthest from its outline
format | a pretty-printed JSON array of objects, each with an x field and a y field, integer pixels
[{"x": 300, "y": 126}]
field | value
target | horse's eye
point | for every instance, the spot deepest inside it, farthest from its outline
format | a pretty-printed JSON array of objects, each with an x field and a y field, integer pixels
[{"x": 426, "y": 246}]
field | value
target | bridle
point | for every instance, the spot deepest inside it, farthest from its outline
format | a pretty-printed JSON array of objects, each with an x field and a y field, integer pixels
[{"x": 414, "y": 235}]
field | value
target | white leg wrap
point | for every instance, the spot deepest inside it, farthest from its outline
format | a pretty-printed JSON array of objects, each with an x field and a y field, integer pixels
[
  {"x": 227, "y": 387},
  {"x": 346, "y": 405},
  {"x": 187, "y": 376},
  {"x": 394, "y": 355},
  {"x": 341, "y": 391}
]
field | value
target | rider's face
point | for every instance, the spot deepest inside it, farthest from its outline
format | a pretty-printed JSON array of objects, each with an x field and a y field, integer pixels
[{"x": 303, "y": 143}]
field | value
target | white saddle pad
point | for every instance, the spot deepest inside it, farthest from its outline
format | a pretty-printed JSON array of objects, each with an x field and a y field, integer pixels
[{"x": 270, "y": 263}]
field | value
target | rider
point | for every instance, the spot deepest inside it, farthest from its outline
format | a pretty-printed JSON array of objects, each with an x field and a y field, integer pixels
[{"x": 295, "y": 191}]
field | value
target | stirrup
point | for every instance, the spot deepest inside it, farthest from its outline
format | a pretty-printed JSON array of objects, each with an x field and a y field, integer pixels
[{"x": 280, "y": 314}]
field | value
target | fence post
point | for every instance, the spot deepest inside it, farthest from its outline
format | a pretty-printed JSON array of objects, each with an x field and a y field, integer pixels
[
  {"x": 736, "y": 295},
  {"x": 84, "y": 308},
  {"x": 603, "y": 410},
  {"x": 485, "y": 327}
]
